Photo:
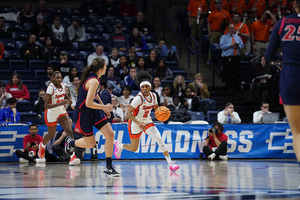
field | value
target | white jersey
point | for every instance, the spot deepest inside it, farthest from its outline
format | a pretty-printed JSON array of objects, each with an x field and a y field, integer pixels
[
  {"x": 57, "y": 95},
  {"x": 143, "y": 106}
]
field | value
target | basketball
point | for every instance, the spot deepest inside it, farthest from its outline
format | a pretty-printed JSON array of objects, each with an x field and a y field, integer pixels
[{"x": 162, "y": 113}]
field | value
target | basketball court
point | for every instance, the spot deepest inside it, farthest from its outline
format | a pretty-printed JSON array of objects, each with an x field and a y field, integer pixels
[{"x": 151, "y": 179}]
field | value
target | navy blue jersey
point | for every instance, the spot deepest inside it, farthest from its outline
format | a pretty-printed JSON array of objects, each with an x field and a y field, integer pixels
[
  {"x": 82, "y": 93},
  {"x": 287, "y": 33}
]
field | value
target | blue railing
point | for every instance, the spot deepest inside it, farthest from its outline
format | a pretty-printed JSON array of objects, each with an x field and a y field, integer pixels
[
  {"x": 193, "y": 51},
  {"x": 151, "y": 4},
  {"x": 178, "y": 34}
]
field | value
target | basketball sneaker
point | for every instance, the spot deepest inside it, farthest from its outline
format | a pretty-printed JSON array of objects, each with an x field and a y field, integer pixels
[
  {"x": 68, "y": 148},
  {"x": 118, "y": 149},
  {"x": 41, "y": 152},
  {"x": 223, "y": 157},
  {"x": 173, "y": 166},
  {"x": 40, "y": 160},
  {"x": 74, "y": 160},
  {"x": 22, "y": 160},
  {"x": 211, "y": 156},
  {"x": 110, "y": 170}
]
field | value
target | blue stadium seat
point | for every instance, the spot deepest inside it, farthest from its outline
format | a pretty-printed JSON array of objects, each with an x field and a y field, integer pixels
[
  {"x": 31, "y": 84},
  {"x": 36, "y": 64},
  {"x": 19, "y": 44},
  {"x": 27, "y": 26},
  {"x": 16, "y": 9},
  {"x": 54, "y": 62},
  {"x": 12, "y": 53},
  {"x": 5, "y": 74},
  {"x": 110, "y": 21},
  {"x": 122, "y": 53},
  {"x": 179, "y": 72},
  {"x": 39, "y": 73},
  {"x": 83, "y": 19},
  {"x": 34, "y": 95},
  {"x": 128, "y": 20},
  {"x": 75, "y": 46},
  {"x": 17, "y": 64},
  {"x": 24, "y": 106},
  {"x": 4, "y": 9},
  {"x": 29, "y": 117},
  {"x": 8, "y": 43},
  {"x": 105, "y": 37},
  {"x": 103, "y": 29},
  {"x": 72, "y": 55},
  {"x": 57, "y": 11},
  {"x": 173, "y": 65},
  {"x": 197, "y": 115},
  {"x": 142, "y": 54},
  {"x": 25, "y": 74},
  {"x": 84, "y": 54},
  {"x": 211, "y": 104},
  {"x": 40, "y": 43},
  {"x": 3, "y": 65},
  {"x": 148, "y": 37},
  {"x": 78, "y": 63},
  {"x": 14, "y": 26},
  {"x": 65, "y": 20},
  {"x": 212, "y": 116},
  {"x": 96, "y": 20},
  {"x": 118, "y": 20},
  {"x": 152, "y": 45},
  {"x": 72, "y": 11},
  {"x": 88, "y": 28},
  {"x": 134, "y": 92},
  {"x": 124, "y": 30},
  {"x": 93, "y": 37},
  {"x": 107, "y": 53},
  {"x": 245, "y": 68},
  {"x": 20, "y": 35}
]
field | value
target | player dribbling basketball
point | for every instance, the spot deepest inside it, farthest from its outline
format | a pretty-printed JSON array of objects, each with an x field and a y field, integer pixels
[{"x": 140, "y": 120}]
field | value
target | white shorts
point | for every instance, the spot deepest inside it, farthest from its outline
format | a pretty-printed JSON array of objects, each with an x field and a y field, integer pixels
[
  {"x": 135, "y": 131},
  {"x": 51, "y": 116}
]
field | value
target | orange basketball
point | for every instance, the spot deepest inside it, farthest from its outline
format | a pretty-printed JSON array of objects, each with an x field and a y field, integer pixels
[{"x": 162, "y": 113}]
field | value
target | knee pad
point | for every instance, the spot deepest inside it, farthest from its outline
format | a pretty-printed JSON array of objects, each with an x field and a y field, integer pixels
[{"x": 154, "y": 133}]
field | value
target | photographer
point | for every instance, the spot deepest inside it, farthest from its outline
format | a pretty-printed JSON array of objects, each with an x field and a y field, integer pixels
[{"x": 216, "y": 143}]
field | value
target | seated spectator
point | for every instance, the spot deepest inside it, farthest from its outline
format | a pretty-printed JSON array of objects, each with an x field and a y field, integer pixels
[
  {"x": 190, "y": 101},
  {"x": 59, "y": 33},
  {"x": 128, "y": 9},
  {"x": 114, "y": 59},
  {"x": 73, "y": 88},
  {"x": 2, "y": 50},
  {"x": 167, "y": 95},
  {"x": 109, "y": 9},
  {"x": 142, "y": 25},
  {"x": 258, "y": 115},
  {"x": 68, "y": 80},
  {"x": 39, "y": 104},
  {"x": 152, "y": 62},
  {"x": 118, "y": 39},
  {"x": 31, "y": 51},
  {"x": 162, "y": 71},
  {"x": 5, "y": 31},
  {"x": 117, "y": 111},
  {"x": 141, "y": 64},
  {"x": 16, "y": 88},
  {"x": 162, "y": 50},
  {"x": 131, "y": 80},
  {"x": 156, "y": 86},
  {"x": 179, "y": 113},
  {"x": 43, "y": 10},
  {"x": 228, "y": 116},
  {"x": 115, "y": 81},
  {"x": 179, "y": 85},
  {"x": 10, "y": 114},
  {"x": 76, "y": 32},
  {"x": 216, "y": 143},
  {"x": 4, "y": 96},
  {"x": 131, "y": 59},
  {"x": 97, "y": 54},
  {"x": 64, "y": 66},
  {"x": 124, "y": 100},
  {"x": 70, "y": 107},
  {"x": 199, "y": 88},
  {"x": 40, "y": 29},
  {"x": 137, "y": 41},
  {"x": 31, "y": 145},
  {"x": 89, "y": 8},
  {"x": 50, "y": 51},
  {"x": 26, "y": 15},
  {"x": 122, "y": 69},
  {"x": 45, "y": 80}
]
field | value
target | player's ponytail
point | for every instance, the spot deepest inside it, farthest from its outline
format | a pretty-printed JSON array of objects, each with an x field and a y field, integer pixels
[{"x": 97, "y": 64}]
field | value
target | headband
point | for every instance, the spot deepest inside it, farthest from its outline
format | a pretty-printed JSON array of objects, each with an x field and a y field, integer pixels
[{"x": 145, "y": 83}]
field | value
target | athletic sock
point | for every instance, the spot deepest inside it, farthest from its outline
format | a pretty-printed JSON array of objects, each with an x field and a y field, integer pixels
[
  {"x": 121, "y": 146},
  {"x": 168, "y": 158},
  {"x": 108, "y": 161},
  {"x": 43, "y": 145}
]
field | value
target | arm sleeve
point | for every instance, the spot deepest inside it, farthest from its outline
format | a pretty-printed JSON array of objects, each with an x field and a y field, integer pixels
[
  {"x": 2, "y": 116},
  {"x": 222, "y": 118},
  {"x": 223, "y": 44},
  {"x": 257, "y": 117},
  {"x": 204, "y": 92},
  {"x": 27, "y": 94},
  {"x": 144, "y": 44},
  {"x": 236, "y": 118},
  {"x": 273, "y": 42},
  {"x": 136, "y": 101}
]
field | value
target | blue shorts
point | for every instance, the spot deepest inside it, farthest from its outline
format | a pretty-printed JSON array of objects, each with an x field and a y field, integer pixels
[
  {"x": 84, "y": 121},
  {"x": 289, "y": 85}
]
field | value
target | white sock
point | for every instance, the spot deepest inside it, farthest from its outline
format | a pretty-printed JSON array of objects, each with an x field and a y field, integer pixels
[
  {"x": 43, "y": 145},
  {"x": 121, "y": 146},
  {"x": 168, "y": 158}
]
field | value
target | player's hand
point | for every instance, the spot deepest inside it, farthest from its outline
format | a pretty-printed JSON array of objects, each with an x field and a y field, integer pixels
[
  {"x": 209, "y": 35},
  {"x": 64, "y": 134},
  {"x": 64, "y": 102},
  {"x": 27, "y": 145},
  {"x": 141, "y": 125},
  {"x": 35, "y": 146},
  {"x": 108, "y": 107},
  {"x": 107, "y": 113},
  {"x": 254, "y": 47},
  {"x": 14, "y": 111}
]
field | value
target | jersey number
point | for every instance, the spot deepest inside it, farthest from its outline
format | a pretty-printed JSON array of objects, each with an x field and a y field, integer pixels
[
  {"x": 289, "y": 36},
  {"x": 146, "y": 114}
]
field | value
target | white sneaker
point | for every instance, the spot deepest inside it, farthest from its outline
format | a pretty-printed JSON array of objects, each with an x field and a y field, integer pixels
[
  {"x": 39, "y": 160},
  {"x": 22, "y": 160},
  {"x": 118, "y": 149},
  {"x": 223, "y": 157},
  {"x": 211, "y": 156},
  {"x": 173, "y": 167},
  {"x": 74, "y": 160}
]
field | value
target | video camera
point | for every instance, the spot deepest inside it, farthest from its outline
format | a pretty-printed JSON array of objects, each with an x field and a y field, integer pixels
[{"x": 213, "y": 130}]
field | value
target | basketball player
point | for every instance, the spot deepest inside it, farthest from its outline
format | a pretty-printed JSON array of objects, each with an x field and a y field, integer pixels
[
  {"x": 140, "y": 120},
  {"x": 55, "y": 110},
  {"x": 88, "y": 113},
  {"x": 286, "y": 33}
]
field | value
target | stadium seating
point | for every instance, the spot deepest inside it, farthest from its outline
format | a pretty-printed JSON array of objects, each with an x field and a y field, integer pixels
[
  {"x": 5, "y": 74},
  {"x": 96, "y": 20},
  {"x": 39, "y": 74},
  {"x": 29, "y": 117},
  {"x": 34, "y": 95},
  {"x": 20, "y": 36},
  {"x": 40, "y": 43},
  {"x": 27, "y": 26},
  {"x": 17, "y": 64},
  {"x": 19, "y": 44},
  {"x": 12, "y": 53},
  {"x": 25, "y": 74},
  {"x": 83, "y": 19},
  {"x": 72, "y": 55},
  {"x": 36, "y": 64},
  {"x": 212, "y": 116},
  {"x": 14, "y": 26},
  {"x": 4, "y": 9},
  {"x": 142, "y": 54},
  {"x": 128, "y": 20},
  {"x": 152, "y": 46},
  {"x": 173, "y": 65},
  {"x": 65, "y": 20},
  {"x": 148, "y": 37},
  {"x": 78, "y": 63},
  {"x": 93, "y": 37},
  {"x": 134, "y": 92},
  {"x": 179, "y": 72},
  {"x": 105, "y": 37},
  {"x": 24, "y": 106},
  {"x": 100, "y": 28},
  {"x": 72, "y": 11},
  {"x": 88, "y": 28},
  {"x": 56, "y": 11},
  {"x": 16, "y": 9},
  {"x": 31, "y": 84},
  {"x": 84, "y": 54},
  {"x": 2, "y": 65},
  {"x": 8, "y": 43},
  {"x": 197, "y": 115}
]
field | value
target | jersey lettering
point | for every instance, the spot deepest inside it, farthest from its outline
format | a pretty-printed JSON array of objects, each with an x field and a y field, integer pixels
[{"x": 289, "y": 36}]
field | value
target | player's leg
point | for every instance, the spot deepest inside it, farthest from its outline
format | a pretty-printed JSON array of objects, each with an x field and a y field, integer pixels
[
  {"x": 42, "y": 145},
  {"x": 66, "y": 124}
]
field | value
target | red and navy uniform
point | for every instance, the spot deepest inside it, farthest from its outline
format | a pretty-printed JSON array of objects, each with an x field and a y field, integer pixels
[
  {"x": 84, "y": 117},
  {"x": 286, "y": 33}
]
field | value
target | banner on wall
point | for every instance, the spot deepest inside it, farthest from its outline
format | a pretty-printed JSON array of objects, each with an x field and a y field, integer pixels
[{"x": 183, "y": 141}]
